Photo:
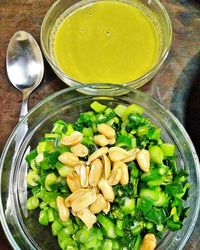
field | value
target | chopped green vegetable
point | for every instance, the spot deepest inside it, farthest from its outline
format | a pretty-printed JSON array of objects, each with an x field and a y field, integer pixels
[
  {"x": 32, "y": 203},
  {"x": 151, "y": 202},
  {"x": 97, "y": 107}
]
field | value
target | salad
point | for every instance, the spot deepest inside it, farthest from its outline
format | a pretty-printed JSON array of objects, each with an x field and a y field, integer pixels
[{"x": 107, "y": 181}]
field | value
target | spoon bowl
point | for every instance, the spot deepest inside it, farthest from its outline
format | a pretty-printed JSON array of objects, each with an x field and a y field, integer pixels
[{"x": 25, "y": 65}]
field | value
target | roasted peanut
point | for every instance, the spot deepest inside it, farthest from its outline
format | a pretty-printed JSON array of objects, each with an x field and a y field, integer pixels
[
  {"x": 83, "y": 201},
  {"x": 117, "y": 154},
  {"x": 106, "y": 130},
  {"x": 106, "y": 210},
  {"x": 87, "y": 217},
  {"x": 101, "y": 140},
  {"x": 106, "y": 190},
  {"x": 73, "y": 139},
  {"x": 124, "y": 174},
  {"x": 115, "y": 175},
  {"x": 111, "y": 141},
  {"x": 106, "y": 166},
  {"x": 98, "y": 205},
  {"x": 79, "y": 150},
  {"x": 73, "y": 181},
  {"x": 98, "y": 153},
  {"x": 148, "y": 242},
  {"x": 83, "y": 174},
  {"x": 143, "y": 160},
  {"x": 96, "y": 171},
  {"x": 75, "y": 195},
  {"x": 133, "y": 152},
  {"x": 63, "y": 211},
  {"x": 69, "y": 159}
]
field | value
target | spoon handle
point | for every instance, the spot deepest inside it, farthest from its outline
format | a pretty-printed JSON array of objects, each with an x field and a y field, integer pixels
[{"x": 24, "y": 106}]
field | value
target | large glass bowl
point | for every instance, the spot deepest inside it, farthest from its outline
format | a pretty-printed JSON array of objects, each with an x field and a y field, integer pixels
[
  {"x": 153, "y": 7},
  {"x": 25, "y": 232}
]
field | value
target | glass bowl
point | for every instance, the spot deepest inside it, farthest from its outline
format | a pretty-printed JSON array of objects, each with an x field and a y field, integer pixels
[
  {"x": 25, "y": 232},
  {"x": 153, "y": 8}
]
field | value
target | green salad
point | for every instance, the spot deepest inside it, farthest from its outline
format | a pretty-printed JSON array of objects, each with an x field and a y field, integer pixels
[{"x": 107, "y": 181}]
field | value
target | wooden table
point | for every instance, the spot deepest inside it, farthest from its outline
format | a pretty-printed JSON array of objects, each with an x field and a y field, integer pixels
[{"x": 176, "y": 86}]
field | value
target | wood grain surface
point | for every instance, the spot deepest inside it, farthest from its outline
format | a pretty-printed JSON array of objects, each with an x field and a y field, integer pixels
[{"x": 176, "y": 86}]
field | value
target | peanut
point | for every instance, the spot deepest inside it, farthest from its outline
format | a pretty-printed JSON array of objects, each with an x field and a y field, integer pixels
[
  {"x": 143, "y": 160},
  {"x": 106, "y": 190},
  {"x": 87, "y": 217},
  {"x": 69, "y": 159},
  {"x": 98, "y": 205},
  {"x": 73, "y": 181},
  {"x": 107, "y": 166},
  {"x": 106, "y": 130},
  {"x": 84, "y": 201},
  {"x": 83, "y": 174},
  {"x": 63, "y": 211},
  {"x": 98, "y": 153},
  {"x": 133, "y": 152},
  {"x": 148, "y": 242},
  {"x": 124, "y": 174},
  {"x": 79, "y": 150},
  {"x": 101, "y": 140},
  {"x": 73, "y": 139},
  {"x": 117, "y": 154},
  {"x": 96, "y": 171},
  {"x": 106, "y": 210},
  {"x": 115, "y": 175},
  {"x": 75, "y": 195}
]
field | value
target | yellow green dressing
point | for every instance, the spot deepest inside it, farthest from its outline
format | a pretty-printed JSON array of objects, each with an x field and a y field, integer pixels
[{"x": 106, "y": 42}]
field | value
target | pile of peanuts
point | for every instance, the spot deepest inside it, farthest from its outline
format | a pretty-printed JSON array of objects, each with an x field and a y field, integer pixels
[{"x": 91, "y": 182}]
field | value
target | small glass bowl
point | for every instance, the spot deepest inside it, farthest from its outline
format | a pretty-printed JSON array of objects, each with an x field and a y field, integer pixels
[
  {"x": 59, "y": 7},
  {"x": 25, "y": 232}
]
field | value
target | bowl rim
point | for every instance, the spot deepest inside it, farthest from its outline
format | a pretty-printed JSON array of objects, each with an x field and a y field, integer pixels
[
  {"x": 3, "y": 221},
  {"x": 135, "y": 83}
]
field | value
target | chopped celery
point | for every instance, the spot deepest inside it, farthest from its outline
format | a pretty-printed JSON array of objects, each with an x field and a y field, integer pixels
[
  {"x": 150, "y": 194},
  {"x": 108, "y": 226},
  {"x": 50, "y": 181},
  {"x": 145, "y": 204},
  {"x": 51, "y": 135},
  {"x": 31, "y": 156},
  {"x": 70, "y": 129},
  {"x": 108, "y": 244},
  {"x": 119, "y": 110},
  {"x": 98, "y": 107},
  {"x": 43, "y": 217},
  {"x": 45, "y": 146},
  {"x": 56, "y": 227},
  {"x": 32, "y": 178},
  {"x": 168, "y": 149},
  {"x": 51, "y": 216},
  {"x": 142, "y": 130},
  {"x": 59, "y": 127},
  {"x": 156, "y": 154},
  {"x": 132, "y": 109},
  {"x": 129, "y": 206},
  {"x": 119, "y": 228},
  {"x": 88, "y": 132},
  {"x": 65, "y": 170},
  {"x": 124, "y": 141},
  {"x": 32, "y": 203},
  {"x": 136, "y": 229},
  {"x": 39, "y": 158},
  {"x": 83, "y": 235}
]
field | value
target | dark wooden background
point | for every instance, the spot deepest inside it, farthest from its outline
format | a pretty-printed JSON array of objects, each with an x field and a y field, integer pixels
[{"x": 176, "y": 86}]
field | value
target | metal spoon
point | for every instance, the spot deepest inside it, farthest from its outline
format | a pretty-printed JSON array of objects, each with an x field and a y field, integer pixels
[{"x": 25, "y": 66}]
